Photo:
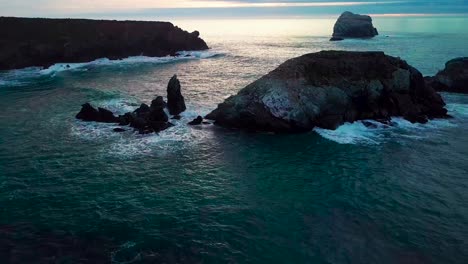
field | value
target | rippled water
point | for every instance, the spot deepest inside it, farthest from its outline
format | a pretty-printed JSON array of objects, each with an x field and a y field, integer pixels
[{"x": 74, "y": 191}]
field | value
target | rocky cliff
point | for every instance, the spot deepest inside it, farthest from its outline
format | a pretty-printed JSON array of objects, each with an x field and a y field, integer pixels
[{"x": 28, "y": 42}]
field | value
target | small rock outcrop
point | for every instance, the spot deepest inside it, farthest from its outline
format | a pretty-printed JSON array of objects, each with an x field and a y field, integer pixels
[
  {"x": 454, "y": 78},
  {"x": 350, "y": 25},
  {"x": 328, "y": 88},
  {"x": 89, "y": 113},
  {"x": 196, "y": 121},
  {"x": 145, "y": 119},
  {"x": 26, "y": 42},
  {"x": 175, "y": 100}
]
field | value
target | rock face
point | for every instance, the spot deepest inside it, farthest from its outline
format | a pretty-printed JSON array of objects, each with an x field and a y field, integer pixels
[
  {"x": 328, "y": 88},
  {"x": 175, "y": 100},
  {"x": 26, "y": 42},
  {"x": 351, "y": 25},
  {"x": 454, "y": 78}
]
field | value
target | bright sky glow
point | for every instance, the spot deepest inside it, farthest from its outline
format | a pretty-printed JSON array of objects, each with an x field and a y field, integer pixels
[
  {"x": 90, "y": 5},
  {"x": 221, "y": 8}
]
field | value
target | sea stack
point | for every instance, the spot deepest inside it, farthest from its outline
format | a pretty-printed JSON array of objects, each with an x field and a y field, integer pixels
[
  {"x": 175, "y": 100},
  {"x": 26, "y": 42},
  {"x": 146, "y": 118},
  {"x": 328, "y": 88},
  {"x": 454, "y": 78},
  {"x": 350, "y": 25}
]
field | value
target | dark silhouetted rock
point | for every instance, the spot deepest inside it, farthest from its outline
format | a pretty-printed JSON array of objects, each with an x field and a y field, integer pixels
[
  {"x": 89, "y": 113},
  {"x": 145, "y": 119},
  {"x": 195, "y": 33},
  {"x": 328, "y": 88},
  {"x": 196, "y": 121},
  {"x": 148, "y": 119},
  {"x": 119, "y": 130},
  {"x": 26, "y": 42},
  {"x": 351, "y": 25},
  {"x": 336, "y": 39},
  {"x": 176, "y": 117},
  {"x": 106, "y": 116},
  {"x": 175, "y": 100},
  {"x": 454, "y": 78}
]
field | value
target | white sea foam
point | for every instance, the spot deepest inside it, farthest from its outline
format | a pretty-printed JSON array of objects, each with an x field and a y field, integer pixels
[
  {"x": 458, "y": 110},
  {"x": 182, "y": 55},
  {"x": 130, "y": 143},
  {"x": 358, "y": 133}
]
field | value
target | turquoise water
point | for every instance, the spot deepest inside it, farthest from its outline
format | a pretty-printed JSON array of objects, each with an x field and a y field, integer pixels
[{"x": 73, "y": 191}]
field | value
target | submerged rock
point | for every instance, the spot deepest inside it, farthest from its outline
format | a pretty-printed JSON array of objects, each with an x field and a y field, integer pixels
[
  {"x": 42, "y": 42},
  {"x": 328, "y": 88},
  {"x": 196, "y": 121},
  {"x": 351, "y": 25},
  {"x": 119, "y": 130},
  {"x": 175, "y": 100},
  {"x": 454, "y": 78}
]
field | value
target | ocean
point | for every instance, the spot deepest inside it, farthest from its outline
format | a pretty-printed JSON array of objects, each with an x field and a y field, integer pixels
[{"x": 75, "y": 192}]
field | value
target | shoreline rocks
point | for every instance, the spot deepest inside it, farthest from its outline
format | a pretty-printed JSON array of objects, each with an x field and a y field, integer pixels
[
  {"x": 41, "y": 42},
  {"x": 328, "y": 88},
  {"x": 350, "y": 25},
  {"x": 453, "y": 78}
]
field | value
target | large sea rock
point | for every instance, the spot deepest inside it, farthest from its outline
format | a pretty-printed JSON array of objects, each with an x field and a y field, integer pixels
[
  {"x": 28, "y": 42},
  {"x": 350, "y": 25},
  {"x": 328, "y": 88},
  {"x": 175, "y": 100},
  {"x": 454, "y": 78}
]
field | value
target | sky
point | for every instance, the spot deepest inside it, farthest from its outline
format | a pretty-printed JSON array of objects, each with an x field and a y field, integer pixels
[{"x": 222, "y": 8}]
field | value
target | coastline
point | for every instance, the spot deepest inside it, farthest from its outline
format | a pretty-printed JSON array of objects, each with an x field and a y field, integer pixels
[{"x": 27, "y": 42}]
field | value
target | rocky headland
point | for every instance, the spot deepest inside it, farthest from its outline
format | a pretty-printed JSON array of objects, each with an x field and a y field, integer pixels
[
  {"x": 26, "y": 42},
  {"x": 453, "y": 78},
  {"x": 328, "y": 88},
  {"x": 350, "y": 25}
]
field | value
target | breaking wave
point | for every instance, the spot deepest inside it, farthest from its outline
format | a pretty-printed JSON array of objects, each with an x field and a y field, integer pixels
[
  {"x": 375, "y": 133},
  {"x": 31, "y": 75}
]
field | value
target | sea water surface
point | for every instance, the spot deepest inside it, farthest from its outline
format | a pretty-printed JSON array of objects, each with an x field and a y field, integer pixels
[{"x": 73, "y": 192}]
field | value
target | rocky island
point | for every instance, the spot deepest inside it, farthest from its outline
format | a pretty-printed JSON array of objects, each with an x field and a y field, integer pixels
[
  {"x": 26, "y": 42},
  {"x": 454, "y": 78},
  {"x": 328, "y": 88},
  {"x": 350, "y": 25}
]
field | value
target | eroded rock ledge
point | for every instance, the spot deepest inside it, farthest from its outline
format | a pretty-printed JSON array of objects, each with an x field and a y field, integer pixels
[
  {"x": 26, "y": 42},
  {"x": 328, "y": 88}
]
